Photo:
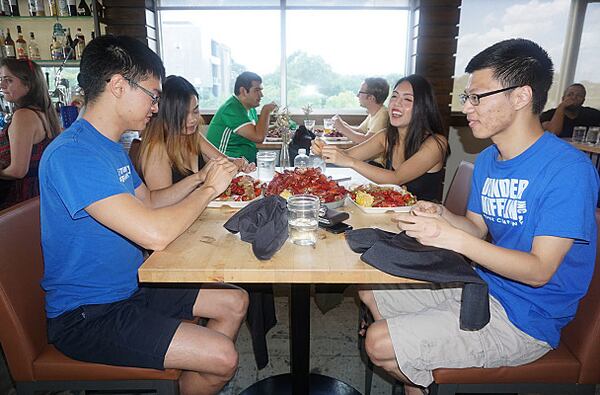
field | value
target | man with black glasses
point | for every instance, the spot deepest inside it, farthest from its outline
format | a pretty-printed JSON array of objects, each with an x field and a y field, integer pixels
[{"x": 535, "y": 196}]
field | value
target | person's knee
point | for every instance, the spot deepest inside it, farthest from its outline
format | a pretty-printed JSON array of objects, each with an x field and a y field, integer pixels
[
  {"x": 238, "y": 303},
  {"x": 227, "y": 362},
  {"x": 376, "y": 344}
]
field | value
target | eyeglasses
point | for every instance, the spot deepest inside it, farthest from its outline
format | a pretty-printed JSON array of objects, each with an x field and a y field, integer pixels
[
  {"x": 155, "y": 98},
  {"x": 363, "y": 92},
  {"x": 474, "y": 98}
]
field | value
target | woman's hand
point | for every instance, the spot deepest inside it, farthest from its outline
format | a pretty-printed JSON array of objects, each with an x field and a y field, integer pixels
[
  {"x": 317, "y": 146},
  {"x": 333, "y": 154},
  {"x": 243, "y": 165}
]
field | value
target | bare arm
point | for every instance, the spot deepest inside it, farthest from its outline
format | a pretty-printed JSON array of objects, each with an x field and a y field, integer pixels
[
  {"x": 429, "y": 155},
  {"x": 135, "y": 217},
  {"x": 555, "y": 125},
  {"x": 354, "y": 133},
  {"x": 257, "y": 133},
  {"x": 209, "y": 151},
  {"x": 24, "y": 131},
  {"x": 534, "y": 268}
]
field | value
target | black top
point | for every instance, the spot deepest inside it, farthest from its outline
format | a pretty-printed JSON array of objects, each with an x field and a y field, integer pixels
[
  {"x": 587, "y": 116},
  {"x": 426, "y": 187},
  {"x": 178, "y": 176}
]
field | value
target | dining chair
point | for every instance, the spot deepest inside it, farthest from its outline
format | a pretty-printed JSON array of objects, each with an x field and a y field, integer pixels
[{"x": 34, "y": 364}]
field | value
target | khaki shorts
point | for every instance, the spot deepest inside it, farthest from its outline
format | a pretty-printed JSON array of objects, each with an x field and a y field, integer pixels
[{"x": 424, "y": 327}]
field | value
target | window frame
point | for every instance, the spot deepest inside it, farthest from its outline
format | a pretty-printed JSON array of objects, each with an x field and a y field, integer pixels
[{"x": 282, "y": 8}]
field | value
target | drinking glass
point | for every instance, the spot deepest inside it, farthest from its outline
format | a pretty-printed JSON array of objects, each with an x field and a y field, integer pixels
[
  {"x": 596, "y": 130},
  {"x": 578, "y": 134},
  {"x": 303, "y": 219},
  {"x": 265, "y": 164},
  {"x": 309, "y": 124},
  {"x": 591, "y": 136},
  {"x": 328, "y": 126}
]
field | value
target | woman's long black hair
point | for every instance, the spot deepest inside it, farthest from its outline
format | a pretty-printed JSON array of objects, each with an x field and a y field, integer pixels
[{"x": 425, "y": 121}]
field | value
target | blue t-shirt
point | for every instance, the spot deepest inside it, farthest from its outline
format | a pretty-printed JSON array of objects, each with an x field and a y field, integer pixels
[
  {"x": 551, "y": 189},
  {"x": 84, "y": 261}
]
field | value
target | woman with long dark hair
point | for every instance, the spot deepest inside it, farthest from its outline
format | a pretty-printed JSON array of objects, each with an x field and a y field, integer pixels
[
  {"x": 413, "y": 144},
  {"x": 173, "y": 149},
  {"x": 33, "y": 125}
]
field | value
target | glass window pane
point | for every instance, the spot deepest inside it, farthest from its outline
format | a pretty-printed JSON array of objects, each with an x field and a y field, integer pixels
[
  {"x": 588, "y": 62},
  {"x": 348, "y": 3},
  {"x": 217, "y": 3},
  {"x": 210, "y": 49},
  {"x": 326, "y": 70},
  {"x": 483, "y": 23}
]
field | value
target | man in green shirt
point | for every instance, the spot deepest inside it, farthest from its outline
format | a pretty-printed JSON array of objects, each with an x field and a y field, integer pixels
[{"x": 236, "y": 128}]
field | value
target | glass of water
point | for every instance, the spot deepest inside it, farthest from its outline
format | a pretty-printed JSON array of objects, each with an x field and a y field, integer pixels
[
  {"x": 591, "y": 136},
  {"x": 309, "y": 124},
  {"x": 578, "y": 134},
  {"x": 265, "y": 164},
  {"x": 303, "y": 219}
]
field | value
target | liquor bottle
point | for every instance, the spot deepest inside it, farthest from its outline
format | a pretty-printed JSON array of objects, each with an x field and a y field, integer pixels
[
  {"x": 9, "y": 45},
  {"x": 39, "y": 6},
  {"x": 69, "y": 46},
  {"x": 72, "y": 7},
  {"x": 5, "y": 8},
  {"x": 20, "y": 45},
  {"x": 63, "y": 8},
  {"x": 56, "y": 50},
  {"x": 80, "y": 46},
  {"x": 83, "y": 9},
  {"x": 93, "y": 35},
  {"x": 2, "y": 50},
  {"x": 14, "y": 8},
  {"x": 52, "y": 8},
  {"x": 32, "y": 5},
  {"x": 34, "y": 48}
]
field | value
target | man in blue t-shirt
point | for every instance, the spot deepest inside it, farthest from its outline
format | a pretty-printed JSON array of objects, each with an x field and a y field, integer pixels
[
  {"x": 535, "y": 196},
  {"x": 97, "y": 215}
]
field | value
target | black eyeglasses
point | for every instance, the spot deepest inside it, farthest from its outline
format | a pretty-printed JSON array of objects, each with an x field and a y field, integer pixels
[
  {"x": 474, "y": 98},
  {"x": 155, "y": 98},
  {"x": 363, "y": 92}
]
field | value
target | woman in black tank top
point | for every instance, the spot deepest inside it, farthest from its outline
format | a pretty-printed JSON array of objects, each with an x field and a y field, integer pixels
[
  {"x": 413, "y": 144},
  {"x": 173, "y": 148}
]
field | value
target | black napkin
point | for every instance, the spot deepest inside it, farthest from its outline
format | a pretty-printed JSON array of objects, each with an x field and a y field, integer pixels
[
  {"x": 262, "y": 223},
  {"x": 403, "y": 256}
]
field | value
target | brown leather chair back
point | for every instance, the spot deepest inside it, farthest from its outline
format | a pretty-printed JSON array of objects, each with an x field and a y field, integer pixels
[
  {"x": 582, "y": 335},
  {"x": 457, "y": 196},
  {"x": 23, "y": 323}
]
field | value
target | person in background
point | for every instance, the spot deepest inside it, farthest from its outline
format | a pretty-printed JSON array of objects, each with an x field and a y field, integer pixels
[
  {"x": 33, "y": 125},
  {"x": 535, "y": 196},
  {"x": 570, "y": 113},
  {"x": 413, "y": 144},
  {"x": 173, "y": 149},
  {"x": 97, "y": 215},
  {"x": 371, "y": 95},
  {"x": 236, "y": 128}
]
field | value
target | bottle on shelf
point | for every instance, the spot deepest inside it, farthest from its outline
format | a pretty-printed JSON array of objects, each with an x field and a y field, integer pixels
[
  {"x": 2, "y": 50},
  {"x": 72, "y": 7},
  {"x": 52, "y": 8},
  {"x": 14, "y": 8},
  {"x": 34, "y": 48},
  {"x": 80, "y": 46},
  {"x": 316, "y": 161},
  {"x": 36, "y": 8},
  {"x": 56, "y": 50},
  {"x": 83, "y": 9},
  {"x": 20, "y": 45},
  {"x": 5, "y": 8},
  {"x": 63, "y": 8},
  {"x": 9, "y": 45},
  {"x": 69, "y": 46},
  {"x": 301, "y": 160},
  {"x": 93, "y": 35}
]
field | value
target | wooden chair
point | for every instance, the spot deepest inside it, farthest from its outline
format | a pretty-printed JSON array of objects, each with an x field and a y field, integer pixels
[
  {"x": 33, "y": 363},
  {"x": 574, "y": 367}
]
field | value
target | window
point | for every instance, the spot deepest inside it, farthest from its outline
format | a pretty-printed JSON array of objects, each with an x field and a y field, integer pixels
[
  {"x": 483, "y": 23},
  {"x": 329, "y": 48},
  {"x": 588, "y": 62}
]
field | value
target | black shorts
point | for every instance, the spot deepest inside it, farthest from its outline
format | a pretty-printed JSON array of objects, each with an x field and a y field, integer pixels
[{"x": 132, "y": 332}]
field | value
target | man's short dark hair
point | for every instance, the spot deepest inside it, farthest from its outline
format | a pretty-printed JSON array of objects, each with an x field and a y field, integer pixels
[
  {"x": 245, "y": 80},
  {"x": 108, "y": 55},
  {"x": 578, "y": 85},
  {"x": 518, "y": 62},
  {"x": 379, "y": 88}
]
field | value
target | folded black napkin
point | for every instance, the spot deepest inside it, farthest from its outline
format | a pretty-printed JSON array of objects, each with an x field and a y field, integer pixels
[
  {"x": 403, "y": 256},
  {"x": 262, "y": 223}
]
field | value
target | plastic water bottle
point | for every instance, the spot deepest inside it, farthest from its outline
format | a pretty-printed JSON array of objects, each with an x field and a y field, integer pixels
[
  {"x": 316, "y": 161},
  {"x": 301, "y": 160}
]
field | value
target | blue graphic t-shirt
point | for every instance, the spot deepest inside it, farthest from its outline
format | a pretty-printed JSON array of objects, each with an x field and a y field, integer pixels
[
  {"x": 84, "y": 261},
  {"x": 551, "y": 189}
]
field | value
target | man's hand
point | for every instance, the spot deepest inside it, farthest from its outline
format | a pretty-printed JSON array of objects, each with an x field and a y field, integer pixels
[
  {"x": 423, "y": 206},
  {"x": 338, "y": 122},
  {"x": 333, "y": 154},
  {"x": 219, "y": 175},
  {"x": 317, "y": 146},
  {"x": 430, "y": 229},
  {"x": 568, "y": 102},
  {"x": 268, "y": 108}
]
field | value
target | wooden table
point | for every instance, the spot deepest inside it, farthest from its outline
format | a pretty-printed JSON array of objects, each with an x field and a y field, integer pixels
[
  {"x": 206, "y": 253},
  {"x": 276, "y": 145},
  {"x": 592, "y": 150}
]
